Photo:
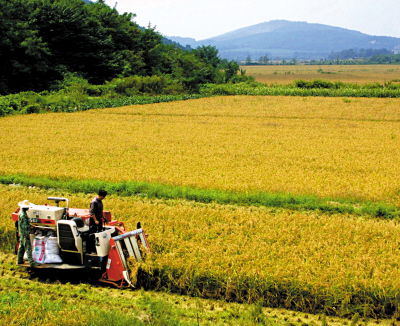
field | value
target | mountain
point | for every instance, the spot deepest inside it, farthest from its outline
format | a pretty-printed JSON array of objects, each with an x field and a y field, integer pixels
[
  {"x": 183, "y": 40},
  {"x": 287, "y": 39}
]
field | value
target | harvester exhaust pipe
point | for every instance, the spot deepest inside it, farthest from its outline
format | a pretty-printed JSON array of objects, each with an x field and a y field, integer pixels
[{"x": 58, "y": 199}]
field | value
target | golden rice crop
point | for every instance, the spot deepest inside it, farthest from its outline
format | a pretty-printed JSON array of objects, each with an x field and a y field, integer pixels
[
  {"x": 361, "y": 74},
  {"x": 321, "y": 146},
  {"x": 301, "y": 260}
]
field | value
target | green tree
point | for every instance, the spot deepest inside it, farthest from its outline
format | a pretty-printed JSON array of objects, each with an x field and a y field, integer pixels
[
  {"x": 88, "y": 39},
  {"x": 23, "y": 53},
  {"x": 191, "y": 71},
  {"x": 248, "y": 60},
  {"x": 152, "y": 48},
  {"x": 207, "y": 54},
  {"x": 41, "y": 40},
  {"x": 231, "y": 69}
]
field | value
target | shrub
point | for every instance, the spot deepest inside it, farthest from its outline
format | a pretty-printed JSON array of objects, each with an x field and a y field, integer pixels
[
  {"x": 316, "y": 83},
  {"x": 136, "y": 85},
  {"x": 32, "y": 109}
]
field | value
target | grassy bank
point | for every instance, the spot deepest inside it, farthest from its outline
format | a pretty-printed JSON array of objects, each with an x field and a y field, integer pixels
[{"x": 155, "y": 190}]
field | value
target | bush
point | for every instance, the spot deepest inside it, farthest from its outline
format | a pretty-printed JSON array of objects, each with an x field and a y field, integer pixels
[
  {"x": 5, "y": 107},
  {"x": 242, "y": 78},
  {"x": 136, "y": 85},
  {"x": 316, "y": 83},
  {"x": 32, "y": 109}
]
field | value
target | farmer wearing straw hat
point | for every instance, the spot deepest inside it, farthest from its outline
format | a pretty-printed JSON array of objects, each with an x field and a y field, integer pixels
[{"x": 24, "y": 229}]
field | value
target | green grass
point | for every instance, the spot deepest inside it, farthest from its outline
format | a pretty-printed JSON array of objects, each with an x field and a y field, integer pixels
[
  {"x": 31, "y": 299},
  {"x": 155, "y": 190},
  {"x": 26, "y": 103}
]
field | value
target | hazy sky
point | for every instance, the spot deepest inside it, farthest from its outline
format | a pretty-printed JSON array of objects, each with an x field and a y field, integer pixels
[{"x": 202, "y": 19}]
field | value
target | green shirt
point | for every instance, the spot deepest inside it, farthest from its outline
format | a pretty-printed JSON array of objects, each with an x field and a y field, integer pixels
[{"x": 24, "y": 226}]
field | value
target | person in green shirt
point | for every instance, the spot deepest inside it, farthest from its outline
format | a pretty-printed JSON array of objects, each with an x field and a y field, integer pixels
[{"x": 24, "y": 229}]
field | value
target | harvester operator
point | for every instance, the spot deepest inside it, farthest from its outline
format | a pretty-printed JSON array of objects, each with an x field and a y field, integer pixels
[
  {"x": 24, "y": 229},
  {"x": 96, "y": 212}
]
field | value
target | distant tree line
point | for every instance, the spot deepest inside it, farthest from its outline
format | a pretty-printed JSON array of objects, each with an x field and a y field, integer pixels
[
  {"x": 385, "y": 59},
  {"x": 355, "y": 53},
  {"x": 265, "y": 60},
  {"x": 376, "y": 59},
  {"x": 350, "y": 56},
  {"x": 41, "y": 41}
]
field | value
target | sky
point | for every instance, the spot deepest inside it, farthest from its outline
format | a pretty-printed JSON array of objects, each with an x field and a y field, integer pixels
[{"x": 201, "y": 19}]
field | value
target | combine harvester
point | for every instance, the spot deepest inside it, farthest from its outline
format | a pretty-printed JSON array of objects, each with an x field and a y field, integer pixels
[{"x": 66, "y": 234}]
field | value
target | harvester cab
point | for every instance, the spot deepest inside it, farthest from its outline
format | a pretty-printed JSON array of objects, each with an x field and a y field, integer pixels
[{"x": 61, "y": 239}]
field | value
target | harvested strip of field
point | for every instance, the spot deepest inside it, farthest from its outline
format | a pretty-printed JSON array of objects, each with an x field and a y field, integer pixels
[
  {"x": 46, "y": 298},
  {"x": 311, "y": 262},
  {"x": 325, "y": 147},
  {"x": 54, "y": 298}
]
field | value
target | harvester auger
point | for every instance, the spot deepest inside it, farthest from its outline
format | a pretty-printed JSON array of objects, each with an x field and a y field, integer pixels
[{"x": 61, "y": 239}]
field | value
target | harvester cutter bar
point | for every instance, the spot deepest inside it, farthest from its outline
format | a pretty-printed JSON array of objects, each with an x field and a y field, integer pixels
[{"x": 122, "y": 247}]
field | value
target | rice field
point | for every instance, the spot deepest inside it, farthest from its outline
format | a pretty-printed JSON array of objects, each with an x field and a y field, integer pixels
[
  {"x": 361, "y": 74},
  {"x": 306, "y": 261},
  {"x": 335, "y": 147}
]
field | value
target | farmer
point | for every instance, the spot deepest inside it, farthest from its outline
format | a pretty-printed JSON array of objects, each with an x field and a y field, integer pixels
[
  {"x": 96, "y": 212},
  {"x": 24, "y": 229}
]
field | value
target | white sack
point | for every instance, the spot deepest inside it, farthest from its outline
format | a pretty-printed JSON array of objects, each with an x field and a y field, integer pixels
[
  {"x": 38, "y": 250},
  {"x": 52, "y": 246},
  {"x": 52, "y": 259},
  {"x": 52, "y": 251}
]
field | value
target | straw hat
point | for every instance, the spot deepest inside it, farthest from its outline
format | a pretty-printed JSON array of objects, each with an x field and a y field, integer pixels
[{"x": 25, "y": 204}]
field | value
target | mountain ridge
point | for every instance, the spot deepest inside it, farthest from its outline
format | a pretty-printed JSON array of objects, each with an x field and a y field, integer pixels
[{"x": 288, "y": 39}]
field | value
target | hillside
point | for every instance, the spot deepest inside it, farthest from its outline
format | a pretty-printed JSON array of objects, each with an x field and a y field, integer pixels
[{"x": 286, "y": 39}]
